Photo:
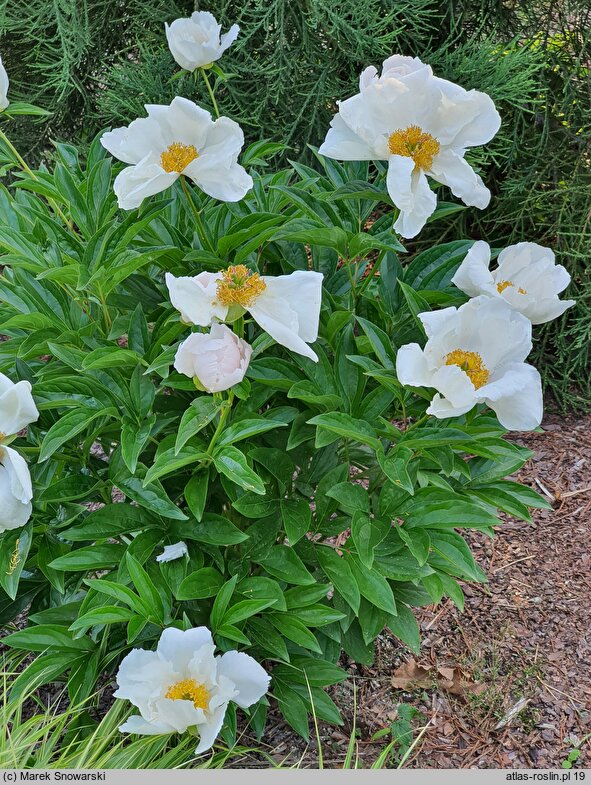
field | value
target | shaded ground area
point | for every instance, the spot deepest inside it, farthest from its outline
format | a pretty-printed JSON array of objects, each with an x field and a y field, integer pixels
[{"x": 525, "y": 638}]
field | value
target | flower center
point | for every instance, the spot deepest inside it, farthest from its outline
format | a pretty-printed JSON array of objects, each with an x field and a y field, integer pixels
[
  {"x": 502, "y": 285},
  {"x": 239, "y": 286},
  {"x": 178, "y": 156},
  {"x": 472, "y": 365},
  {"x": 413, "y": 142},
  {"x": 189, "y": 690}
]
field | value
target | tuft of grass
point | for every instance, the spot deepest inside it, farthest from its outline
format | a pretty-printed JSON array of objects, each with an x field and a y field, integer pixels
[{"x": 43, "y": 730}]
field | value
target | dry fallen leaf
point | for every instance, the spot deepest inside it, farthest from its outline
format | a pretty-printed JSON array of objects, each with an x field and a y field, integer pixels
[{"x": 412, "y": 675}]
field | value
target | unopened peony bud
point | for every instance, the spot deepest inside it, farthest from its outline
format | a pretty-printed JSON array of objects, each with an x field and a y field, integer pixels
[{"x": 218, "y": 359}]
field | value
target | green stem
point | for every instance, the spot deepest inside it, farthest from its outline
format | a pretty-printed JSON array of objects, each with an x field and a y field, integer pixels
[
  {"x": 238, "y": 326},
  {"x": 210, "y": 91},
  {"x": 416, "y": 424},
  {"x": 202, "y": 233},
  {"x": 347, "y": 263},
  {"x": 223, "y": 417},
  {"x": 25, "y": 168},
  {"x": 107, "y": 318},
  {"x": 367, "y": 280}
]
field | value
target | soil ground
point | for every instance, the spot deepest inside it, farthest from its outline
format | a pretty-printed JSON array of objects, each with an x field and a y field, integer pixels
[{"x": 525, "y": 637}]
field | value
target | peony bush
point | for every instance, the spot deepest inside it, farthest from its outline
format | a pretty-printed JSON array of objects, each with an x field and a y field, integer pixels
[{"x": 239, "y": 419}]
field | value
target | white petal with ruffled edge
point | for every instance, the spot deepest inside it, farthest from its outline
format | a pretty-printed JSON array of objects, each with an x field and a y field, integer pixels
[
  {"x": 516, "y": 398},
  {"x": 409, "y": 190},
  {"x": 473, "y": 275},
  {"x": 136, "y": 183},
  {"x": 250, "y": 679},
  {"x": 4, "y": 85},
  {"x": 344, "y": 144},
  {"x": 173, "y": 552},
  {"x": 195, "y": 298},
  {"x": 17, "y": 407},
  {"x": 289, "y": 310},
  {"x": 16, "y": 490},
  {"x": 449, "y": 168}
]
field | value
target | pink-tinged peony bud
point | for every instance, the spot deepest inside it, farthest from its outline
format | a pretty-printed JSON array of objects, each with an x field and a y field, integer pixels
[{"x": 218, "y": 359}]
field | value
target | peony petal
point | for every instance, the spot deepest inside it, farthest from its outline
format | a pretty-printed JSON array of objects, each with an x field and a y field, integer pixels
[
  {"x": 412, "y": 367},
  {"x": 250, "y": 678},
  {"x": 492, "y": 328},
  {"x": 366, "y": 78},
  {"x": 343, "y": 144},
  {"x": 542, "y": 311},
  {"x": 210, "y": 730},
  {"x": 144, "y": 138},
  {"x": 389, "y": 104},
  {"x": 516, "y": 398},
  {"x": 400, "y": 66},
  {"x": 442, "y": 408},
  {"x": 452, "y": 170},
  {"x": 473, "y": 275},
  {"x": 13, "y": 513},
  {"x": 140, "y": 726},
  {"x": 463, "y": 118},
  {"x": 302, "y": 289},
  {"x": 194, "y": 297},
  {"x": 410, "y": 192},
  {"x": 172, "y": 552},
  {"x": 276, "y": 316},
  {"x": 135, "y": 183},
  {"x": 219, "y": 176},
  {"x": 455, "y": 385},
  {"x": 560, "y": 278},
  {"x": 18, "y": 473},
  {"x": 142, "y": 679},
  {"x": 437, "y": 322},
  {"x": 228, "y": 38},
  {"x": 178, "y": 647},
  {"x": 17, "y": 407},
  {"x": 184, "y": 121},
  {"x": 4, "y": 84},
  {"x": 178, "y": 714}
]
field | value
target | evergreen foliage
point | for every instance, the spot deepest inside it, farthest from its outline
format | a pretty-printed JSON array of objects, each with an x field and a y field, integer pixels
[{"x": 95, "y": 63}]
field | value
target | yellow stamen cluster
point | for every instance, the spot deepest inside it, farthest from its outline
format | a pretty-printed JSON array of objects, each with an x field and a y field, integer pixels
[
  {"x": 502, "y": 285},
  {"x": 189, "y": 690},
  {"x": 413, "y": 142},
  {"x": 239, "y": 286},
  {"x": 178, "y": 156},
  {"x": 472, "y": 365}
]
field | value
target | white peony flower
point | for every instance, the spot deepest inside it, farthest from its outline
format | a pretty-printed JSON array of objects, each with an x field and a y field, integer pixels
[
  {"x": 218, "y": 359},
  {"x": 4, "y": 102},
  {"x": 475, "y": 354},
  {"x": 172, "y": 552},
  {"x": 183, "y": 685},
  {"x": 196, "y": 41},
  {"x": 17, "y": 408},
  {"x": 422, "y": 125},
  {"x": 175, "y": 140},
  {"x": 527, "y": 278},
  {"x": 285, "y": 306},
  {"x": 16, "y": 490}
]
